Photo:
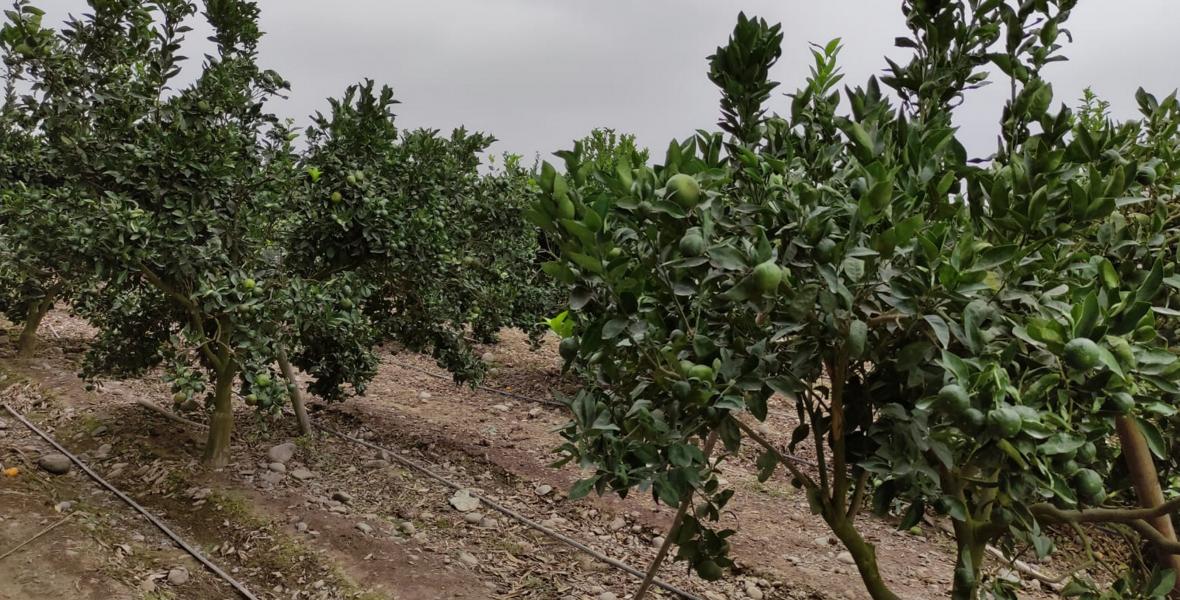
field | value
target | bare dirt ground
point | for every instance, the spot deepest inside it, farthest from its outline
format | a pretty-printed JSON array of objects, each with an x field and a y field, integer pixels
[{"x": 338, "y": 520}]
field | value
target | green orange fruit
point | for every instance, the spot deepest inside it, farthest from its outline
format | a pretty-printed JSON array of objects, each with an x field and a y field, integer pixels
[
  {"x": 692, "y": 244},
  {"x": 1005, "y": 421},
  {"x": 1082, "y": 354},
  {"x": 953, "y": 400},
  {"x": 766, "y": 276},
  {"x": 568, "y": 348},
  {"x": 684, "y": 190}
]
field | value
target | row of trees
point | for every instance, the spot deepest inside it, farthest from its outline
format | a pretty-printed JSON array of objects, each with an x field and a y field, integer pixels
[
  {"x": 197, "y": 232},
  {"x": 991, "y": 339}
]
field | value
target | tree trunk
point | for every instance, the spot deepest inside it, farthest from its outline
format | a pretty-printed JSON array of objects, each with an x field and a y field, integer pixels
[
  {"x": 654, "y": 568},
  {"x": 1147, "y": 485},
  {"x": 27, "y": 343},
  {"x": 969, "y": 564},
  {"x": 296, "y": 394},
  {"x": 864, "y": 554},
  {"x": 221, "y": 422}
]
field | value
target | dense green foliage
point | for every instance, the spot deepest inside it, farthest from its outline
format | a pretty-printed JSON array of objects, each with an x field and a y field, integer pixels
[
  {"x": 196, "y": 237},
  {"x": 955, "y": 335}
]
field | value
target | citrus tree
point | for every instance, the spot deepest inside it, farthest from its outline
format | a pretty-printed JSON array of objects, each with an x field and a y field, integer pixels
[
  {"x": 438, "y": 250},
  {"x": 948, "y": 334},
  {"x": 37, "y": 242},
  {"x": 172, "y": 194}
]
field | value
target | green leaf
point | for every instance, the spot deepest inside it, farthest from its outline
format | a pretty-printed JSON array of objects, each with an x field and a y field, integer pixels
[
  {"x": 1162, "y": 582},
  {"x": 857, "y": 133},
  {"x": 613, "y": 328},
  {"x": 1110, "y": 277},
  {"x": 582, "y": 488},
  {"x": 1153, "y": 437},
  {"x": 993, "y": 257},
  {"x": 858, "y": 332},
  {"x": 561, "y": 324},
  {"x": 1111, "y": 362},
  {"x": 1151, "y": 284},
  {"x": 727, "y": 258},
  {"x": 854, "y": 268},
  {"x": 588, "y": 263},
  {"x": 766, "y": 464},
  {"x": 1060, "y": 443},
  {"x": 940, "y": 328},
  {"x": 1087, "y": 316},
  {"x": 912, "y": 516}
]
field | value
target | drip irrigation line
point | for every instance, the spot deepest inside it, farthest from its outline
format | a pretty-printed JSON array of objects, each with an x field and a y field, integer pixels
[
  {"x": 513, "y": 514},
  {"x": 492, "y": 504},
  {"x": 485, "y": 388},
  {"x": 141, "y": 510}
]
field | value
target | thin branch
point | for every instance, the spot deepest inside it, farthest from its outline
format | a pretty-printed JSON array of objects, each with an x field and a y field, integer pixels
[
  {"x": 787, "y": 460},
  {"x": 35, "y": 537}
]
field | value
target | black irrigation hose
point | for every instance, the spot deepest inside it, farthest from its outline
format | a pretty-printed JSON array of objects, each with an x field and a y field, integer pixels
[
  {"x": 141, "y": 510},
  {"x": 790, "y": 457},
  {"x": 512, "y": 514}
]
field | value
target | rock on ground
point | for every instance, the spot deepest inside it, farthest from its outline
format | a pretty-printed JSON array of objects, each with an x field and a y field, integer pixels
[
  {"x": 57, "y": 464},
  {"x": 463, "y": 501},
  {"x": 178, "y": 576},
  {"x": 281, "y": 453}
]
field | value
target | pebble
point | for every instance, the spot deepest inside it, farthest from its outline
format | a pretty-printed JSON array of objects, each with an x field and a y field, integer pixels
[
  {"x": 407, "y": 528},
  {"x": 178, "y": 576},
  {"x": 753, "y": 591},
  {"x": 618, "y": 524},
  {"x": 364, "y": 527},
  {"x": 535, "y": 412},
  {"x": 473, "y": 517},
  {"x": 489, "y": 523},
  {"x": 3, "y": 424},
  {"x": 375, "y": 464},
  {"x": 301, "y": 526},
  {"x": 657, "y": 541},
  {"x": 846, "y": 558},
  {"x": 271, "y": 477},
  {"x": 463, "y": 501},
  {"x": 500, "y": 407},
  {"x": 342, "y": 496},
  {"x": 302, "y": 474},
  {"x": 277, "y": 467},
  {"x": 468, "y": 560},
  {"x": 488, "y": 357},
  {"x": 281, "y": 453},
  {"x": 424, "y": 395},
  {"x": 607, "y": 596},
  {"x": 543, "y": 489},
  {"x": 57, "y": 464}
]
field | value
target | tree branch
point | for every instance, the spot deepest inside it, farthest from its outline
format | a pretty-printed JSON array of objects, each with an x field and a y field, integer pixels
[
  {"x": 194, "y": 312},
  {"x": 1051, "y": 514},
  {"x": 787, "y": 460}
]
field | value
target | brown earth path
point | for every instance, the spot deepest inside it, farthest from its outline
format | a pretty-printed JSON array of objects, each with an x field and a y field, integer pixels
[{"x": 501, "y": 446}]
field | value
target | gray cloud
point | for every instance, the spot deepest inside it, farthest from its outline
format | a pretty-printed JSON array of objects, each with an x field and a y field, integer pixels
[{"x": 539, "y": 73}]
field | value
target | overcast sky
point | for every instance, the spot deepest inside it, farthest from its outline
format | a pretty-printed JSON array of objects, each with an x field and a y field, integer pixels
[{"x": 539, "y": 73}]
